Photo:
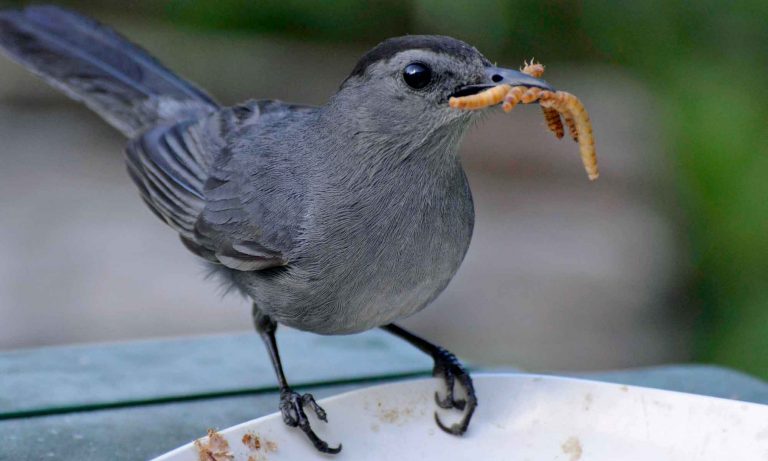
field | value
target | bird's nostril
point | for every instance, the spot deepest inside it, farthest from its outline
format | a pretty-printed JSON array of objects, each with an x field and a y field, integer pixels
[{"x": 496, "y": 78}]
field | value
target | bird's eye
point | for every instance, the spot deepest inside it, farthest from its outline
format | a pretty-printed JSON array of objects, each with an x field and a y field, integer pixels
[{"x": 417, "y": 75}]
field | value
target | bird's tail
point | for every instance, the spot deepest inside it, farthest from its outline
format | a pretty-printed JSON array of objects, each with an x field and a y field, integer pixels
[{"x": 94, "y": 64}]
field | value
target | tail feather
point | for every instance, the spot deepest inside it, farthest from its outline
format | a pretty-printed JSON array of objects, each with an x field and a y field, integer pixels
[{"x": 94, "y": 64}]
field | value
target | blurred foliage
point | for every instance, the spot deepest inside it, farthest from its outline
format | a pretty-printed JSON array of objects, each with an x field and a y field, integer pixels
[
  {"x": 339, "y": 19},
  {"x": 705, "y": 60}
]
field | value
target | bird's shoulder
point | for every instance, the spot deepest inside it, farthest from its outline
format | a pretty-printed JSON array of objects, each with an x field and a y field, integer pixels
[{"x": 255, "y": 192}]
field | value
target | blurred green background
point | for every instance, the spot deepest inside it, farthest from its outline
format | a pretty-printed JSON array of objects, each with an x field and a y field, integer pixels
[{"x": 705, "y": 62}]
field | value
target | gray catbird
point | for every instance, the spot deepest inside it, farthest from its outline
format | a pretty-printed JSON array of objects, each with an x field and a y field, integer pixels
[{"x": 333, "y": 219}]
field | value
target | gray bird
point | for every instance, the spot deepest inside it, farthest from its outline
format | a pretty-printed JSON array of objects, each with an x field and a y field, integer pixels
[{"x": 334, "y": 219}]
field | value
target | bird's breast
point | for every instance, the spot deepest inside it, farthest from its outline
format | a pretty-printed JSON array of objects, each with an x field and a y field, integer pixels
[{"x": 382, "y": 253}]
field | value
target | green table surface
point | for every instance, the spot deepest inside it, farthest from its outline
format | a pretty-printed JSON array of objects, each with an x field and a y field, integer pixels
[{"x": 137, "y": 400}]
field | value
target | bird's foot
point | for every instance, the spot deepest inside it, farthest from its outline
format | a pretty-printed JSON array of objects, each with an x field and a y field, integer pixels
[
  {"x": 292, "y": 406},
  {"x": 452, "y": 371}
]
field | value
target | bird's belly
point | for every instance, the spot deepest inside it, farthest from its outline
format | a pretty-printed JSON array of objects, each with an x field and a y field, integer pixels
[
  {"x": 389, "y": 280},
  {"x": 354, "y": 275},
  {"x": 376, "y": 295},
  {"x": 386, "y": 295},
  {"x": 350, "y": 296}
]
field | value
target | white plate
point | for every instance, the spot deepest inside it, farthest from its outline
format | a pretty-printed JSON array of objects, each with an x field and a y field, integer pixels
[{"x": 520, "y": 417}]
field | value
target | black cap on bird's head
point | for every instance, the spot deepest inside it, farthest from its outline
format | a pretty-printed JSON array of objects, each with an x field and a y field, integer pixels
[
  {"x": 463, "y": 70},
  {"x": 435, "y": 43},
  {"x": 409, "y": 80}
]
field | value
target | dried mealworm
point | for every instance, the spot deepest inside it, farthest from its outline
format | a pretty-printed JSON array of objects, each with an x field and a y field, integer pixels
[{"x": 481, "y": 100}]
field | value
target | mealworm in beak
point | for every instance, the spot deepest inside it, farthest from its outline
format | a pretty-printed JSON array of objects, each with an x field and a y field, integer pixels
[
  {"x": 554, "y": 123},
  {"x": 573, "y": 109},
  {"x": 554, "y": 105},
  {"x": 486, "y": 98},
  {"x": 512, "y": 98},
  {"x": 534, "y": 69},
  {"x": 551, "y": 116}
]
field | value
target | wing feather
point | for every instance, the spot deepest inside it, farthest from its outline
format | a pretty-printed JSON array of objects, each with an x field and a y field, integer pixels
[{"x": 221, "y": 203}]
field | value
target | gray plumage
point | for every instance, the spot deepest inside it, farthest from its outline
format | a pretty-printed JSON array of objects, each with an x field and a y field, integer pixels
[{"x": 333, "y": 219}]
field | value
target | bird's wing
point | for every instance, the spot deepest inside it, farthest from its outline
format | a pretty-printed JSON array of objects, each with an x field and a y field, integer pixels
[
  {"x": 223, "y": 199},
  {"x": 169, "y": 163}
]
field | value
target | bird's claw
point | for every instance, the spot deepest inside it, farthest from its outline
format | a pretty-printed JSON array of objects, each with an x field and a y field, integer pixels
[
  {"x": 451, "y": 370},
  {"x": 292, "y": 406},
  {"x": 450, "y": 402}
]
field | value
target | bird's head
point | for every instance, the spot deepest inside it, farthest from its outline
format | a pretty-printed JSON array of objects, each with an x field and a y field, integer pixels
[{"x": 403, "y": 85}]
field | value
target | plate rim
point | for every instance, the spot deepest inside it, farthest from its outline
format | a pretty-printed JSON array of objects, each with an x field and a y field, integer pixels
[{"x": 514, "y": 376}]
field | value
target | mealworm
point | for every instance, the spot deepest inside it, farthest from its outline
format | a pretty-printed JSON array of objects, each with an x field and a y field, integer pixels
[
  {"x": 554, "y": 123},
  {"x": 513, "y": 98},
  {"x": 489, "y": 97},
  {"x": 571, "y": 126},
  {"x": 551, "y": 116},
  {"x": 571, "y": 107},
  {"x": 531, "y": 95},
  {"x": 554, "y": 104},
  {"x": 533, "y": 69}
]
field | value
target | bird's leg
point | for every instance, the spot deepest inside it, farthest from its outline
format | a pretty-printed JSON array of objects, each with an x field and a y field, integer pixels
[
  {"x": 448, "y": 367},
  {"x": 292, "y": 403}
]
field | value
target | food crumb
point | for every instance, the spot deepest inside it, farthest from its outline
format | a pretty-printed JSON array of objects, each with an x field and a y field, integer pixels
[
  {"x": 390, "y": 416},
  {"x": 572, "y": 447},
  {"x": 252, "y": 441},
  {"x": 258, "y": 444},
  {"x": 216, "y": 448},
  {"x": 588, "y": 401},
  {"x": 394, "y": 415}
]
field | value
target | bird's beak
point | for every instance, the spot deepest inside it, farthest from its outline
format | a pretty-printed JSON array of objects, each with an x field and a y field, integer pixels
[{"x": 499, "y": 76}]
